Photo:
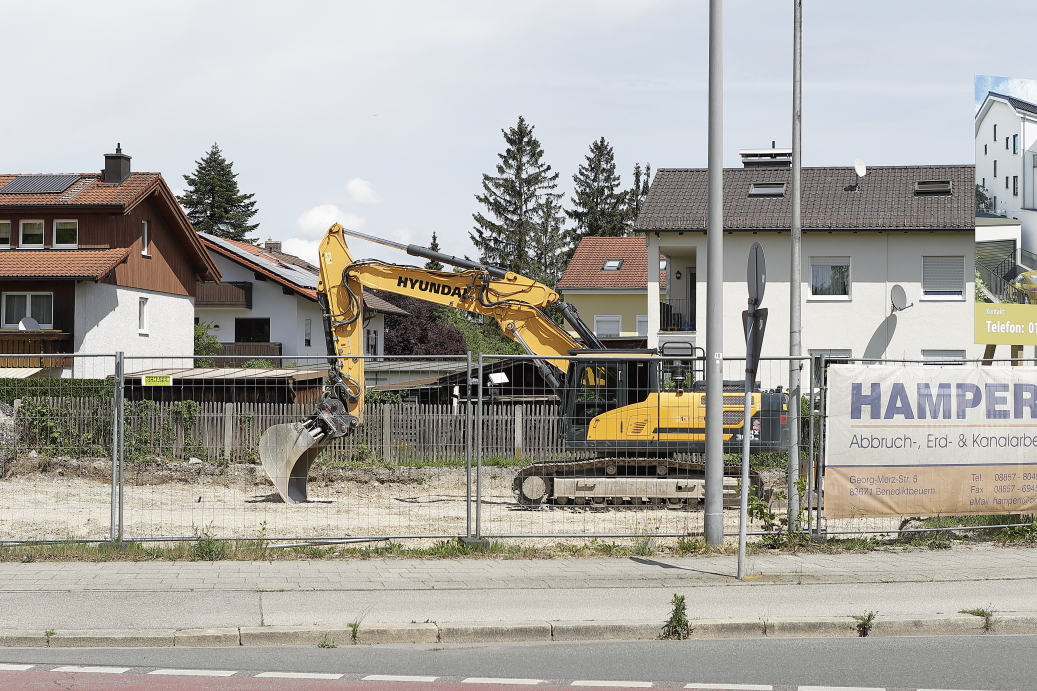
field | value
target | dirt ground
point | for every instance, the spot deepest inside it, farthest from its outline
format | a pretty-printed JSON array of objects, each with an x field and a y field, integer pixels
[{"x": 71, "y": 498}]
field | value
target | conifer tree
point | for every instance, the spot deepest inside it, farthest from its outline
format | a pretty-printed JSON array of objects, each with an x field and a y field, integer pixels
[
  {"x": 599, "y": 207},
  {"x": 639, "y": 192},
  {"x": 512, "y": 201},
  {"x": 551, "y": 243},
  {"x": 213, "y": 202},
  {"x": 432, "y": 264}
]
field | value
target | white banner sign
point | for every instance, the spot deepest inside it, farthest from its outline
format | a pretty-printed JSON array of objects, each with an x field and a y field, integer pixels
[{"x": 930, "y": 440}]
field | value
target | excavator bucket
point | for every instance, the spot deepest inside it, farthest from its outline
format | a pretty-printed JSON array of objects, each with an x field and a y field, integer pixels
[{"x": 286, "y": 452}]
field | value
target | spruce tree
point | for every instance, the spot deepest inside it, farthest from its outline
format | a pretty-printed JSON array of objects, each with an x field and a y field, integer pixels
[
  {"x": 639, "y": 192},
  {"x": 551, "y": 243},
  {"x": 432, "y": 264},
  {"x": 600, "y": 206},
  {"x": 512, "y": 201},
  {"x": 213, "y": 202}
]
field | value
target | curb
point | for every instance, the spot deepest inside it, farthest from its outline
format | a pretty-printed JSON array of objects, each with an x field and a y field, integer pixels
[{"x": 514, "y": 632}]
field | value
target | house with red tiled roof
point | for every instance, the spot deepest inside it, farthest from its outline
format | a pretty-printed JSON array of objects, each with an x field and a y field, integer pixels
[
  {"x": 607, "y": 282},
  {"x": 266, "y": 306},
  {"x": 95, "y": 263}
]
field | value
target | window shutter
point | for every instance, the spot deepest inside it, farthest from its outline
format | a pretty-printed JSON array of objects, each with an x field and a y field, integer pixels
[{"x": 943, "y": 275}]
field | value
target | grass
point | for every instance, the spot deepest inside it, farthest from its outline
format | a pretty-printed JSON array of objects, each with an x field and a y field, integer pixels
[
  {"x": 988, "y": 616},
  {"x": 864, "y": 623},
  {"x": 677, "y": 627}
]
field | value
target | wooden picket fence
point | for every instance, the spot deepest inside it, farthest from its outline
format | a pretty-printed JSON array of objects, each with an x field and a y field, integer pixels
[{"x": 391, "y": 434}]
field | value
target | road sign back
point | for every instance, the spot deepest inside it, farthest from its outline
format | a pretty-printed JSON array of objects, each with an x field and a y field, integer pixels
[{"x": 756, "y": 274}]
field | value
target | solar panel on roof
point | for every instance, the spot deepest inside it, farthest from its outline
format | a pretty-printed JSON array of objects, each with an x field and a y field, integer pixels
[{"x": 38, "y": 184}]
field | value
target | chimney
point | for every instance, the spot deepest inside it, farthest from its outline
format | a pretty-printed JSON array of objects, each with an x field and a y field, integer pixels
[
  {"x": 116, "y": 166},
  {"x": 766, "y": 158},
  {"x": 272, "y": 245}
]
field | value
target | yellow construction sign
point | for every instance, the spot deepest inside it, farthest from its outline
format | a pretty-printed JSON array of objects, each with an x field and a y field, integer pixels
[
  {"x": 156, "y": 380},
  {"x": 1003, "y": 323}
]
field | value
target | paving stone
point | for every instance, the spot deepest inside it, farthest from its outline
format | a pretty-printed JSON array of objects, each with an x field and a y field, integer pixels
[
  {"x": 113, "y": 638},
  {"x": 494, "y": 632},
  {"x": 207, "y": 638}
]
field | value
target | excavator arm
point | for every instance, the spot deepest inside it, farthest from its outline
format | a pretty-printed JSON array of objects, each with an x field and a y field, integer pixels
[{"x": 514, "y": 301}]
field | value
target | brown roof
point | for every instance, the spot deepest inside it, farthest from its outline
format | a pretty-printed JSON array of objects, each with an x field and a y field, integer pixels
[
  {"x": 831, "y": 200},
  {"x": 585, "y": 268},
  {"x": 77, "y": 264},
  {"x": 377, "y": 304}
]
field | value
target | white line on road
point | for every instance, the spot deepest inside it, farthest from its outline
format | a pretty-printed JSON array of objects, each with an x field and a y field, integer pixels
[
  {"x": 731, "y": 687},
  {"x": 945, "y": 690},
  {"x": 195, "y": 672},
  {"x": 14, "y": 668},
  {"x": 297, "y": 675},
  {"x": 841, "y": 688},
  {"x": 396, "y": 677},
  {"x": 615, "y": 684},
  {"x": 496, "y": 680},
  {"x": 91, "y": 670}
]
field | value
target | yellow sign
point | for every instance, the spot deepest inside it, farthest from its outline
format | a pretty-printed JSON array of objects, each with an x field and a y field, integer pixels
[
  {"x": 156, "y": 380},
  {"x": 1003, "y": 323}
]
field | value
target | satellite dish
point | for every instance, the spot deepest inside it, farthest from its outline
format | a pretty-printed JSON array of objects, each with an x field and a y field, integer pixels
[
  {"x": 899, "y": 298},
  {"x": 28, "y": 324},
  {"x": 860, "y": 168}
]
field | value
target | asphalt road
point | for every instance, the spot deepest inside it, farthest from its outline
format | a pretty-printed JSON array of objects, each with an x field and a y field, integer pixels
[{"x": 995, "y": 663}]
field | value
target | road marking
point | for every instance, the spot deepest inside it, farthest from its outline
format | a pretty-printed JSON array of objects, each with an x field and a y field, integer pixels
[
  {"x": 497, "y": 680},
  {"x": 297, "y": 675},
  {"x": 195, "y": 672},
  {"x": 732, "y": 687},
  {"x": 91, "y": 670},
  {"x": 945, "y": 690},
  {"x": 396, "y": 677},
  {"x": 842, "y": 688},
  {"x": 617, "y": 684},
  {"x": 14, "y": 668}
]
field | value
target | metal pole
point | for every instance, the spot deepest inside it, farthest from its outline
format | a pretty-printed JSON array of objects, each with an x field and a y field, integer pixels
[
  {"x": 796, "y": 269},
  {"x": 714, "y": 500},
  {"x": 121, "y": 386},
  {"x": 810, "y": 453},
  {"x": 468, "y": 447},
  {"x": 743, "y": 506},
  {"x": 478, "y": 455},
  {"x": 116, "y": 428}
]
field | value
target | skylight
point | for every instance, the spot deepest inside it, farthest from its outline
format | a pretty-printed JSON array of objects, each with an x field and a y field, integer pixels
[
  {"x": 933, "y": 187},
  {"x": 612, "y": 265},
  {"x": 767, "y": 189}
]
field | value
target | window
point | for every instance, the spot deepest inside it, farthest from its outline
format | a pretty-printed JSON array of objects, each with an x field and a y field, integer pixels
[
  {"x": 32, "y": 234},
  {"x": 142, "y": 316},
  {"x": 943, "y": 277},
  {"x": 984, "y": 185},
  {"x": 933, "y": 187},
  {"x": 370, "y": 341},
  {"x": 1015, "y": 185},
  {"x": 984, "y": 149},
  {"x": 662, "y": 262},
  {"x": 38, "y": 306},
  {"x": 145, "y": 238},
  {"x": 306, "y": 332},
  {"x": 612, "y": 265},
  {"x": 252, "y": 330},
  {"x": 1006, "y": 142},
  {"x": 836, "y": 357},
  {"x": 66, "y": 235},
  {"x": 1006, "y": 182},
  {"x": 943, "y": 357},
  {"x": 642, "y": 325},
  {"x": 607, "y": 324},
  {"x": 767, "y": 189},
  {"x": 5, "y": 234},
  {"x": 995, "y": 132},
  {"x": 830, "y": 277},
  {"x": 1015, "y": 143},
  {"x": 995, "y": 168}
]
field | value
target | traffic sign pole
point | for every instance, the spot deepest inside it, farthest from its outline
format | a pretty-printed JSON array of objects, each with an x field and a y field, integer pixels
[{"x": 754, "y": 321}]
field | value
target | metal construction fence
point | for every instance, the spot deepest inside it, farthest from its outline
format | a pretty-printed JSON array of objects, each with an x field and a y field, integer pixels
[{"x": 121, "y": 448}]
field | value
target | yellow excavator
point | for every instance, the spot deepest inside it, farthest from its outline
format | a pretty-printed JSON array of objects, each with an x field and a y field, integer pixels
[{"x": 634, "y": 425}]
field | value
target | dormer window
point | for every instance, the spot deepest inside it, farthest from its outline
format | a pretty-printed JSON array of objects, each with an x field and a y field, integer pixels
[
  {"x": 767, "y": 189},
  {"x": 66, "y": 235},
  {"x": 933, "y": 187},
  {"x": 612, "y": 265}
]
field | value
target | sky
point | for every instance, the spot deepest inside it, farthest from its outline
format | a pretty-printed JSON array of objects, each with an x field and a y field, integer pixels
[
  {"x": 1025, "y": 89},
  {"x": 384, "y": 115}
]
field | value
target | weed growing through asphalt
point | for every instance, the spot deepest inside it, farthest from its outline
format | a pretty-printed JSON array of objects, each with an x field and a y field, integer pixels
[
  {"x": 864, "y": 623},
  {"x": 354, "y": 626},
  {"x": 677, "y": 627},
  {"x": 988, "y": 616},
  {"x": 328, "y": 643}
]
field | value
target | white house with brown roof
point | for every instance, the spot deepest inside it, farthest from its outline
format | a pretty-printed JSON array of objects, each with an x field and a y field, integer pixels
[
  {"x": 912, "y": 226},
  {"x": 1006, "y": 160},
  {"x": 266, "y": 306},
  {"x": 607, "y": 281},
  {"x": 94, "y": 263}
]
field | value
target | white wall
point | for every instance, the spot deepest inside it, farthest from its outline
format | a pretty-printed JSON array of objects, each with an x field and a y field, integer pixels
[
  {"x": 106, "y": 321},
  {"x": 860, "y": 324}
]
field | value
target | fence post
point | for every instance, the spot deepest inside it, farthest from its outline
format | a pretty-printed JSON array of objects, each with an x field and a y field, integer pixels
[
  {"x": 478, "y": 454},
  {"x": 518, "y": 431},
  {"x": 229, "y": 419},
  {"x": 114, "y": 532},
  {"x": 386, "y": 432},
  {"x": 468, "y": 445}
]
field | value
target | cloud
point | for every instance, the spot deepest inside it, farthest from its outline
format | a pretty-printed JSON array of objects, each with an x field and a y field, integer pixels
[
  {"x": 362, "y": 192},
  {"x": 304, "y": 249},
  {"x": 313, "y": 224}
]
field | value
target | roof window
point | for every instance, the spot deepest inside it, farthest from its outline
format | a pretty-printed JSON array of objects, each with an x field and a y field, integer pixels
[
  {"x": 933, "y": 187},
  {"x": 767, "y": 189},
  {"x": 612, "y": 265}
]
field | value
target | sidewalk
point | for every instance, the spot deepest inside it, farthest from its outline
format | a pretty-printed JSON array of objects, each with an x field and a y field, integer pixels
[{"x": 401, "y": 600}]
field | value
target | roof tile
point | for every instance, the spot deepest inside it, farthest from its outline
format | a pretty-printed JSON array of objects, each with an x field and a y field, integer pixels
[
  {"x": 585, "y": 268},
  {"x": 88, "y": 191},
  {"x": 77, "y": 264}
]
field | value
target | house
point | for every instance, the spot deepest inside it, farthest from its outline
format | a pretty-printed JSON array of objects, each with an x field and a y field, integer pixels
[
  {"x": 266, "y": 306},
  {"x": 912, "y": 226},
  {"x": 96, "y": 263},
  {"x": 1006, "y": 160},
  {"x": 607, "y": 281}
]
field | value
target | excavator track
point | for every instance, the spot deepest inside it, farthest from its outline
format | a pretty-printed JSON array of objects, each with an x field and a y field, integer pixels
[{"x": 663, "y": 482}]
